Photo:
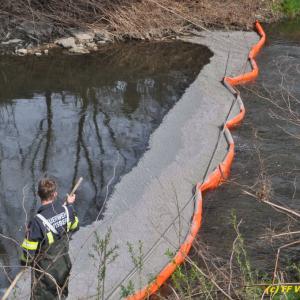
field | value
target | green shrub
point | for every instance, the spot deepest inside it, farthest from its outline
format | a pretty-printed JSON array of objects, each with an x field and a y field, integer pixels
[{"x": 291, "y": 7}]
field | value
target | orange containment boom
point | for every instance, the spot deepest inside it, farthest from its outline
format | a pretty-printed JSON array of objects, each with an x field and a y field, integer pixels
[{"x": 219, "y": 175}]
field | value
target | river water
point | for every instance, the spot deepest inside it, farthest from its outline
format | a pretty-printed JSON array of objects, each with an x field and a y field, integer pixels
[
  {"x": 267, "y": 160},
  {"x": 70, "y": 116}
]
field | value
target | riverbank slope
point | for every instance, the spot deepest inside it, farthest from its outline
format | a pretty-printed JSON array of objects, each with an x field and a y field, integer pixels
[
  {"x": 154, "y": 203},
  {"x": 35, "y": 27}
]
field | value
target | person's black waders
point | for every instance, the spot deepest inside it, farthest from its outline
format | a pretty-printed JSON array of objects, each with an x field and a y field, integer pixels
[{"x": 51, "y": 271}]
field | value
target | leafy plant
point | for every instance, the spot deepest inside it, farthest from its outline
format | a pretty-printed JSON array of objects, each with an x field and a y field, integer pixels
[
  {"x": 137, "y": 260},
  {"x": 290, "y": 7},
  {"x": 127, "y": 290},
  {"x": 103, "y": 256}
]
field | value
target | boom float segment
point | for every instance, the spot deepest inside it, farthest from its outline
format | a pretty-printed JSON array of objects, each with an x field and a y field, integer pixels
[{"x": 219, "y": 175}]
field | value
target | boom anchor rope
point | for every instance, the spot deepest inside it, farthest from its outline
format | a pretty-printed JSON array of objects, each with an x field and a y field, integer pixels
[{"x": 219, "y": 175}]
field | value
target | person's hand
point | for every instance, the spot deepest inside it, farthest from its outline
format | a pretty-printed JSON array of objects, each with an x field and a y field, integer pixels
[{"x": 71, "y": 199}]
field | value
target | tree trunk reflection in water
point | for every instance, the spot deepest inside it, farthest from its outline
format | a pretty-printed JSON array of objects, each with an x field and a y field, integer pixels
[{"x": 67, "y": 117}]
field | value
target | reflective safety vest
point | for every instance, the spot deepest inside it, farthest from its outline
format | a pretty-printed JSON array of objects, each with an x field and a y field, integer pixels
[
  {"x": 50, "y": 224},
  {"x": 51, "y": 228}
]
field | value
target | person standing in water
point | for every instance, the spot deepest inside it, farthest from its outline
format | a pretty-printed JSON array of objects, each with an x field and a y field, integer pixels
[{"x": 46, "y": 244}]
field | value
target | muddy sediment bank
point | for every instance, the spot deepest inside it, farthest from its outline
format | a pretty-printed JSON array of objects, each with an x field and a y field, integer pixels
[{"x": 152, "y": 206}]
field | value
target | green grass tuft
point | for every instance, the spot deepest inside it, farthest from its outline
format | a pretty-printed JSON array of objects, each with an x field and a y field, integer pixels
[{"x": 290, "y": 8}]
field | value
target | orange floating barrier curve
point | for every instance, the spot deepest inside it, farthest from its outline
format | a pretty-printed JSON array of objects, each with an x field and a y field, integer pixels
[{"x": 219, "y": 175}]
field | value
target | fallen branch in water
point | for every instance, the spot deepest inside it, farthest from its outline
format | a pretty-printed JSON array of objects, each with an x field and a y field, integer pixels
[{"x": 279, "y": 207}]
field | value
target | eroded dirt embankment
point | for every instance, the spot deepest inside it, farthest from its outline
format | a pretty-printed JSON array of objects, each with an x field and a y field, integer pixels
[{"x": 33, "y": 27}]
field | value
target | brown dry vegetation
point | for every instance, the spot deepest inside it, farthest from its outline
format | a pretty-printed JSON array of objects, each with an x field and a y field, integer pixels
[{"x": 144, "y": 19}]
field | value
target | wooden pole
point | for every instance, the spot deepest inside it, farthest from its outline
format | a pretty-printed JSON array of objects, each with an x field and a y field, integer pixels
[{"x": 76, "y": 186}]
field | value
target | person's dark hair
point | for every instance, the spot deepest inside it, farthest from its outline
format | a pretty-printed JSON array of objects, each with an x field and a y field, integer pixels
[{"x": 46, "y": 188}]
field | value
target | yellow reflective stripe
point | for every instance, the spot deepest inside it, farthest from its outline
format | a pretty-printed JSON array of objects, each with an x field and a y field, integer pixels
[
  {"x": 75, "y": 224},
  {"x": 29, "y": 245},
  {"x": 50, "y": 237}
]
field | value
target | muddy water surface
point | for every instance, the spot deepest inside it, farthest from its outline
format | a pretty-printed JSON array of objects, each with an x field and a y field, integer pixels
[{"x": 267, "y": 146}]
